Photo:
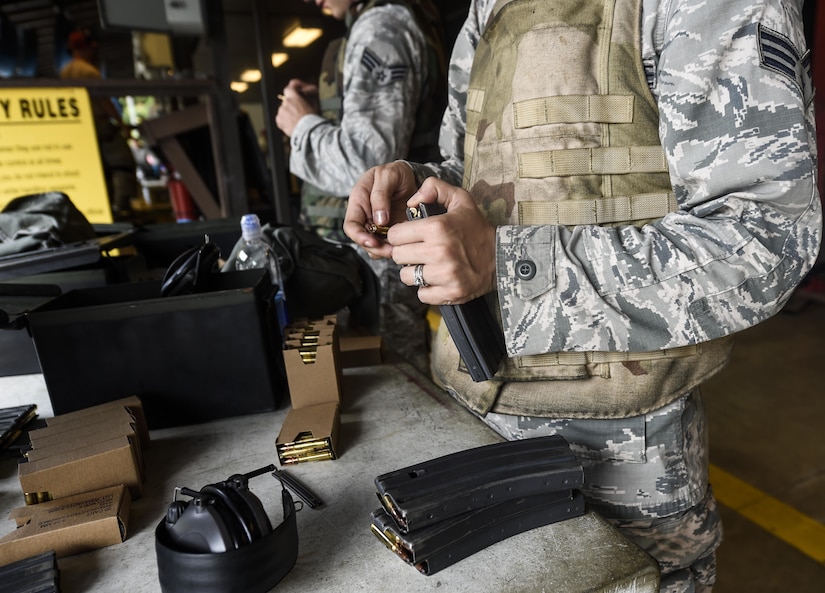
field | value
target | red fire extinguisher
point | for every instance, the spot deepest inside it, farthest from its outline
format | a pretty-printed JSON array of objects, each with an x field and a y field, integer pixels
[{"x": 183, "y": 205}]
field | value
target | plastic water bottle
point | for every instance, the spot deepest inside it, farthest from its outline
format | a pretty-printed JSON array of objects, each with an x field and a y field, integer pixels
[{"x": 256, "y": 253}]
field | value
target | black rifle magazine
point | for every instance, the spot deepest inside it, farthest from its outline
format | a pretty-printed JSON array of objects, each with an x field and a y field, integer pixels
[
  {"x": 477, "y": 337},
  {"x": 440, "y": 545},
  {"x": 493, "y": 453},
  {"x": 448, "y": 486},
  {"x": 472, "y": 325},
  {"x": 36, "y": 574}
]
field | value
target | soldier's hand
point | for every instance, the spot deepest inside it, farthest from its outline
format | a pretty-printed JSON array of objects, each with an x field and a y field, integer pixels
[
  {"x": 456, "y": 250},
  {"x": 308, "y": 91},
  {"x": 294, "y": 106},
  {"x": 378, "y": 197}
]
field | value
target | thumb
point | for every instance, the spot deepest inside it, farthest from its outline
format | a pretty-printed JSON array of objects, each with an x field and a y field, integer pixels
[{"x": 436, "y": 191}]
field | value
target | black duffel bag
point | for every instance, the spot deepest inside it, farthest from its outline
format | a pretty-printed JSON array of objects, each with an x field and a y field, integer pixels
[{"x": 320, "y": 277}]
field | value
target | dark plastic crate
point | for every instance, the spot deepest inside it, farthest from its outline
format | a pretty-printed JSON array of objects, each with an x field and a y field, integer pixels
[{"x": 190, "y": 358}]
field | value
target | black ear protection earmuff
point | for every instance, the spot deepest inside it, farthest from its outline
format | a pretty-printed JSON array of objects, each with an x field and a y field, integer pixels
[
  {"x": 220, "y": 517},
  {"x": 221, "y": 540},
  {"x": 188, "y": 272}
]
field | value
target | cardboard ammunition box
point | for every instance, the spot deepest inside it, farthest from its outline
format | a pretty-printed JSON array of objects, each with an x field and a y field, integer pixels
[
  {"x": 69, "y": 525},
  {"x": 326, "y": 325},
  {"x": 309, "y": 434},
  {"x": 83, "y": 469},
  {"x": 359, "y": 351},
  {"x": 50, "y": 444},
  {"x": 313, "y": 372},
  {"x": 313, "y": 377},
  {"x": 97, "y": 415},
  {"x": 47, "y": 440},
  {"x": 314, "y": 382}
]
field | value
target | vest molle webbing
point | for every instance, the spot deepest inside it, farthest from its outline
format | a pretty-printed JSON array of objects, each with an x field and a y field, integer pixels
[{"x": 580, "y": 148}]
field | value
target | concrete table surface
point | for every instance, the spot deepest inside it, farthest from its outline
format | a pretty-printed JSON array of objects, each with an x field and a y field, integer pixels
[{"x": 392, "y": 416}]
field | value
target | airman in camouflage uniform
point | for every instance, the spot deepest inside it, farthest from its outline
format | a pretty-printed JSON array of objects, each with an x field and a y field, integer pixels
[
  {"x": 638, "y": 186},
  {"x": 380, "y": 97}
]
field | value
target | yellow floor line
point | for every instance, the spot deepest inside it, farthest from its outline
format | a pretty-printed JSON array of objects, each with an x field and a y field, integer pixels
[{"x": 794, "y": 528}]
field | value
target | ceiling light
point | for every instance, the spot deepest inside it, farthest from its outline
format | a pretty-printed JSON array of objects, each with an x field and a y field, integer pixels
[
  {"x": 251, "y": 75},
  {"x": 238, "y": 87},
  {"x": 301, "y": 37},
  {"x": 279, "y": 58}
]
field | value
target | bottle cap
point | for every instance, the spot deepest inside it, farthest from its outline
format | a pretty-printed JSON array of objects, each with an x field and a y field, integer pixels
[{"x": 251, "y": 227}]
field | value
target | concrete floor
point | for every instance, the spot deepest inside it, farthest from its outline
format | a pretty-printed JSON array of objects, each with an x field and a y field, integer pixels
[{"x": 766, "y": 412}]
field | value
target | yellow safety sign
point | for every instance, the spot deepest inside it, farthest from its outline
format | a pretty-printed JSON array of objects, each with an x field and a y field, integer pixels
[{"x": 48, "y": 143}]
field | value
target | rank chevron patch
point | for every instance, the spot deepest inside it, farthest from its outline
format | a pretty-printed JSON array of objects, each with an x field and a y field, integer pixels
[
  {"x": 779, "y": 54},
  {"x": 382, "y": 73}
]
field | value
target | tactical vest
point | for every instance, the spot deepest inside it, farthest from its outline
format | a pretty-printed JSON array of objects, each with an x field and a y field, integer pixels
[
  {"x": 326, "y": 213},
  {"x": 562, "y": 129}
]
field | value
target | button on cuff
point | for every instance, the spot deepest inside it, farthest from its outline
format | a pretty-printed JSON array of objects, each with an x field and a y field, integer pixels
[{"x": 525, "y": 269}]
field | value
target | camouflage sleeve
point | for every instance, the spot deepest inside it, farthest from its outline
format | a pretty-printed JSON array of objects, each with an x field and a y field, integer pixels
[
  {"x": 734, "y": 91},
  {"x": 385, "y": 66},
  {"x": 451, "y": 137}
]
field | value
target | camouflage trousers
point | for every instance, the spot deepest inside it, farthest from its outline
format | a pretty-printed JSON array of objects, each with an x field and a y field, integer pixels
[{"x": 648, "y": 476}]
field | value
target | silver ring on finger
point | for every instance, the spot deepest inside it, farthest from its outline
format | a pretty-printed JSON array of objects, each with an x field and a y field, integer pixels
[{"x": 418, "y": 278}]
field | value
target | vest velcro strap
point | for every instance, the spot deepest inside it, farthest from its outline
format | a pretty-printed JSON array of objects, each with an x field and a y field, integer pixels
[
  {"x": 611, "y": 160},
  {"x": 615, "y": 109},
  {"x": 475, "y": 100},
  {"x": 332, "y": 104},
  {"x": 578, "y": 358},
  {"x": 470, "y": 148},
  {"x": 598, "y": 211}
]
